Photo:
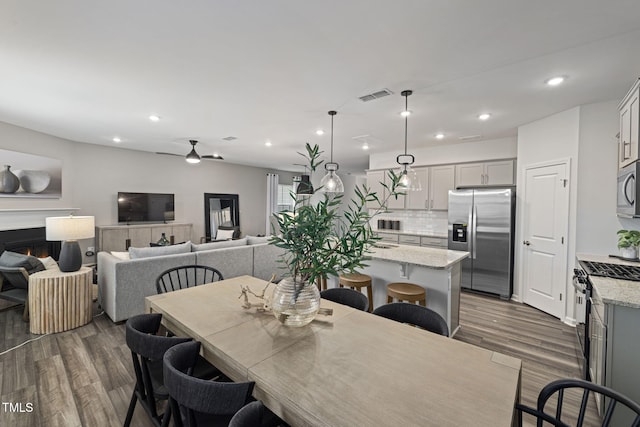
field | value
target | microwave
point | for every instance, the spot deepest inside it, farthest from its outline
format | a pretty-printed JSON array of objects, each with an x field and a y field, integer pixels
[{"x": 628, "y": 196}]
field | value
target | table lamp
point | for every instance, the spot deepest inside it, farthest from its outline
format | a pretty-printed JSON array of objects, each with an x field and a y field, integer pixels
[{"x": 69, "y": 229}]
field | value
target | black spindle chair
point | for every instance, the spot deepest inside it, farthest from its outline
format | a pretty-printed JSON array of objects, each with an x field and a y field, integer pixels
[
  {"x": 614, "y": 403},
  {"x": 414, "y": 314},
  {"x": 186, "y": 276},
  {"x": 347, "y": 296}
]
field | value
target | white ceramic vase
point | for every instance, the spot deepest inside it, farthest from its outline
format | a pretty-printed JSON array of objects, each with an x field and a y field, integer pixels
[
  {"x": 629, "y": 253},
  {"x": 34, "y": 181}
]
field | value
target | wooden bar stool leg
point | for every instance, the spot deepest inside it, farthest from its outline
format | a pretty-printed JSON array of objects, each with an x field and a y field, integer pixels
[{"x": 370, "y": 295}]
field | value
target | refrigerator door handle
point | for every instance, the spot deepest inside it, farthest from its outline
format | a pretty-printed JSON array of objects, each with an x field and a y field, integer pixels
[{"x": 474, "y": 231}]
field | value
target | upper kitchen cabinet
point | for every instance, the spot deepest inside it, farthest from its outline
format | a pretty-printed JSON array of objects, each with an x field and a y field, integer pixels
[
  {"x": 499, "y": 172},
  {"x": 419, "y": 199},
  {"x": 374, "y": 181},
  {"x": 442, "y": 180},
  {"x": 629, "y": 121}
]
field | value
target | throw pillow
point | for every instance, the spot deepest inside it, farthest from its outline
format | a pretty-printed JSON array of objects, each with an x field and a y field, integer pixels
[
  {"x": 136, "y": 253},
  {"x": 49, "y": 263},
  {"x": 14, "y": 259},
  {"x": 218, "y": 245},
  {"x": 255, "y": 240},
  {"x": 224, "y": 234},
  {"x": 121, "y": 255}
]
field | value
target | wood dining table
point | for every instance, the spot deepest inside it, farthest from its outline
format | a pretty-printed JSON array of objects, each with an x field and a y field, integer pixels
[{"x": 351, "y": 368}]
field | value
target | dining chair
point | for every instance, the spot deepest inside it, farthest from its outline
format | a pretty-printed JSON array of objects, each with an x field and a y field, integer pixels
[
  {"x": 198, "y": 403},
  {"x": 14, "y": 287},
  {"x": 250, "y": 415},
  {"x": 414, "y": 314},
  {"x": 186, "y": 276},
  {"x": 147, "y": 350},
  {"x": 614, "y": 404},
  {"x": 347, "y": 296}
]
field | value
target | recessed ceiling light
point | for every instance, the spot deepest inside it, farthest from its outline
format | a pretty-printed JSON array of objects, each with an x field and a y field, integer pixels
[
  {"x": 268, "y": 143},
  {"x": 555, "y": 81},
  {"x": 405, "y": 113},
  {"x": 365, "y": 146},
  {"x": 484, "y": 116},
  {"x": 439, "y": 135},
  {"x": 154, "y": 118},
  {"x": 319, "y": 132},
  {"x": 116, "y": 139}
]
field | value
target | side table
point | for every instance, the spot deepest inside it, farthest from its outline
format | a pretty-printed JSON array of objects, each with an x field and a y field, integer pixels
[{"x": 60, "y": 301}]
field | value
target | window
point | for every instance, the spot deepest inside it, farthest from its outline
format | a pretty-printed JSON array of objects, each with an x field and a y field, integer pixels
[{"x": 285, "y": 201}]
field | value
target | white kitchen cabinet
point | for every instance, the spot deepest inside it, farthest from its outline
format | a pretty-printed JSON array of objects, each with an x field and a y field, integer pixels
[
  {"x": 629, "y": 126},
  {"x": 434, "y": 242},
  {"x": 419, "y": 199},
  {"x": 388, "y": 237},
  {"x": 409, "y": 239},
  {"x": 374, "y": 181},
  {"x": 442, "y": 180},
  {"x": 499, "y": 172}
]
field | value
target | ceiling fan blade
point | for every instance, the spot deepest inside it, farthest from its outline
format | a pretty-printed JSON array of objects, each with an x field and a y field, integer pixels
[
  {"x": 210, "y": 157},
  {"x": 169, "y": 154}
]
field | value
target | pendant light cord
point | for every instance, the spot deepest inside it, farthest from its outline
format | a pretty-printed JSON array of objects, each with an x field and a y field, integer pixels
[
  {"x": 406, "y": 121},
  {"x": 332, "y": 136}
]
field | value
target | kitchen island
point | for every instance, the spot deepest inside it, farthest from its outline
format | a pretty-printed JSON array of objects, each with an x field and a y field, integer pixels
[{"x": 436, "y": 270}]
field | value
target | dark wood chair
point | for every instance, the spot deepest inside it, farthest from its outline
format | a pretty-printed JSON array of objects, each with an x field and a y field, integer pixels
[
  {"x": 186, "y": 276},
  {"x": 414, "y": 314},
  {"x": 347, "y": 296},
  {"x": 147, "y": 351},
  {"x": 200, "y": 402},
  {"x": 14, "y": 287},
  {"x": 614, "y": 404}
]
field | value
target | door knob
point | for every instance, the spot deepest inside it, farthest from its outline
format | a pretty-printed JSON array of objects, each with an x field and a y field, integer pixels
[{"x": 526, "y": 242}]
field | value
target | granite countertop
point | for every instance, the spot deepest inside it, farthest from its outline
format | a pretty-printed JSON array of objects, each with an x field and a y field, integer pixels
[
  {"x": 614, "y": 291},
  {"x": 441, "y": 235},
  {"x": 423, "y": 256}
]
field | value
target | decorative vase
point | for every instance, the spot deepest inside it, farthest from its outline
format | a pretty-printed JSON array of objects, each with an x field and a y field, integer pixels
[
  {"x": 629, "y": 253},
  {"x": 294, "y": 303},
  {"x": 163, "y": 241},
  {"x": 9, "y": 182},
  {"x": 34, "y": 181}
]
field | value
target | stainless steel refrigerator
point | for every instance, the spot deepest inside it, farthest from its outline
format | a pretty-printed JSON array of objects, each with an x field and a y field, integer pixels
[{"x": 481, "y": 222}]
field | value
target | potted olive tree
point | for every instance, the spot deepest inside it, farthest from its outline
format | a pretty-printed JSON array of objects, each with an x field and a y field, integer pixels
[
  {"x": 628, "y": 241},
  {"x": 320, "y": 241}
]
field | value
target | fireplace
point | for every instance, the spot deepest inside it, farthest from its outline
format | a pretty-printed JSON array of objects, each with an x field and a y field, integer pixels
[{"x": 29, "y": 241}]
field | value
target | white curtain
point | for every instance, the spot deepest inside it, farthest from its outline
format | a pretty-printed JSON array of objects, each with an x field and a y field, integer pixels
[{"x": 272, "y": 198}]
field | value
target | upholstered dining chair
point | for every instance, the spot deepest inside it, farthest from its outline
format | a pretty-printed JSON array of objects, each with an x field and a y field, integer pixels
[
  {"x": 186, "y": 276},
  {"x": 347, "y": 296},
  {"x": 250, "y": 415},
  {"x": 414, "y": 314},
  {"x": 14, "y": 287},
  {"x": 615, "y": 404},
  {"x": 201, "y": 403},
  {"x": 147, "y": 350}
]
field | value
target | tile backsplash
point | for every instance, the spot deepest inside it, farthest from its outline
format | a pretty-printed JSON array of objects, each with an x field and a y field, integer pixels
[{"x": 416, "y": 221}]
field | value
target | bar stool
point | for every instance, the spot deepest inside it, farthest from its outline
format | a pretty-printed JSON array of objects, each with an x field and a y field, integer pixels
[
  {"x": 406, "y": 292},
  {"x": 321, "y": 282},
  {"x": 357, "y": 281}
]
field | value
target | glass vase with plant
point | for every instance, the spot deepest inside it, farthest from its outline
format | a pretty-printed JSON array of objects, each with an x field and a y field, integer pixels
[{"x": 320, "y": 239}]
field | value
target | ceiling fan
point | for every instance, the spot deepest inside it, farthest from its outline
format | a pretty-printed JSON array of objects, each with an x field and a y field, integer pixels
[{"x": 194, "y": 157}]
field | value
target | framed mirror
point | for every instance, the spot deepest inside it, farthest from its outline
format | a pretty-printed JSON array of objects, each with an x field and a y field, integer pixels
[{"x": 221, "y": 212}]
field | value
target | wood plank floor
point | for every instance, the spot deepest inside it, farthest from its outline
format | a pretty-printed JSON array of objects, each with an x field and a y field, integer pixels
[{"x": 84, "y": 377}]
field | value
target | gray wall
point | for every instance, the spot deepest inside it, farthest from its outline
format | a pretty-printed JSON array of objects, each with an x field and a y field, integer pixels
[{"x": 93, "y": 174}]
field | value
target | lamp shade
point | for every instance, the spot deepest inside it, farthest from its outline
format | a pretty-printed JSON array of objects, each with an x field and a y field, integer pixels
[{"x": 70, "y": 227}]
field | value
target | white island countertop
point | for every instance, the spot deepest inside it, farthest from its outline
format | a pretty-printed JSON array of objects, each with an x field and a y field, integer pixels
[
  {"x": 614, "y": 291},
  {"x": 417, "y": 255}
]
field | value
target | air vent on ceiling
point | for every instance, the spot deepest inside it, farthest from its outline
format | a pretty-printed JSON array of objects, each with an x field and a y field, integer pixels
[
  {"x": 229, "y": 138},
  {"x": 375, "y": 95},
  {"x": 469, "y": 137}
]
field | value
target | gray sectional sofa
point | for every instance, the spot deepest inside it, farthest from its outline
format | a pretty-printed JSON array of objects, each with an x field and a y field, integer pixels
[{"x": 124, "y": 283}]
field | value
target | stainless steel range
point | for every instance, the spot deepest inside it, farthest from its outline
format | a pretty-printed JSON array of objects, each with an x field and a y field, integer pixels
[{"x": 583, "y": 285}]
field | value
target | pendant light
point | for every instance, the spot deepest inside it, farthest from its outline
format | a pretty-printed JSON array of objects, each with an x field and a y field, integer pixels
[
  {"x": 331, "y": 182},
  {"x": 408, "y": 177},
  {"x": 193, "y": 157}
]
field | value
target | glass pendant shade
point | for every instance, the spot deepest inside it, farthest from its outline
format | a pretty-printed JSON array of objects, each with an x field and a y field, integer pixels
[
  {"x": 331, "y": 182},
  {"x": 409, "y": 179}
]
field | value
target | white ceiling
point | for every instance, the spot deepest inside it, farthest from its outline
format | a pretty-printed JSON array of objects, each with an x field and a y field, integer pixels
[{"x": 89, "y": 70}]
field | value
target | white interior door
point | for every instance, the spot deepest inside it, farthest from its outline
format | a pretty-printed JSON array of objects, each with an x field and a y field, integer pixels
[{"x": 545, "y": 224}]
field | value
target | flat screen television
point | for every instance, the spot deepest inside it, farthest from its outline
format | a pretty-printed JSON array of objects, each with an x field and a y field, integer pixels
[{"x": 145, "y": 207}]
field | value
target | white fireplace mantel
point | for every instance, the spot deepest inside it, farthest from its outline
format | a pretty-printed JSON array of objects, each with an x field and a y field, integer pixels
[{"x": 14, "y": 219}]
